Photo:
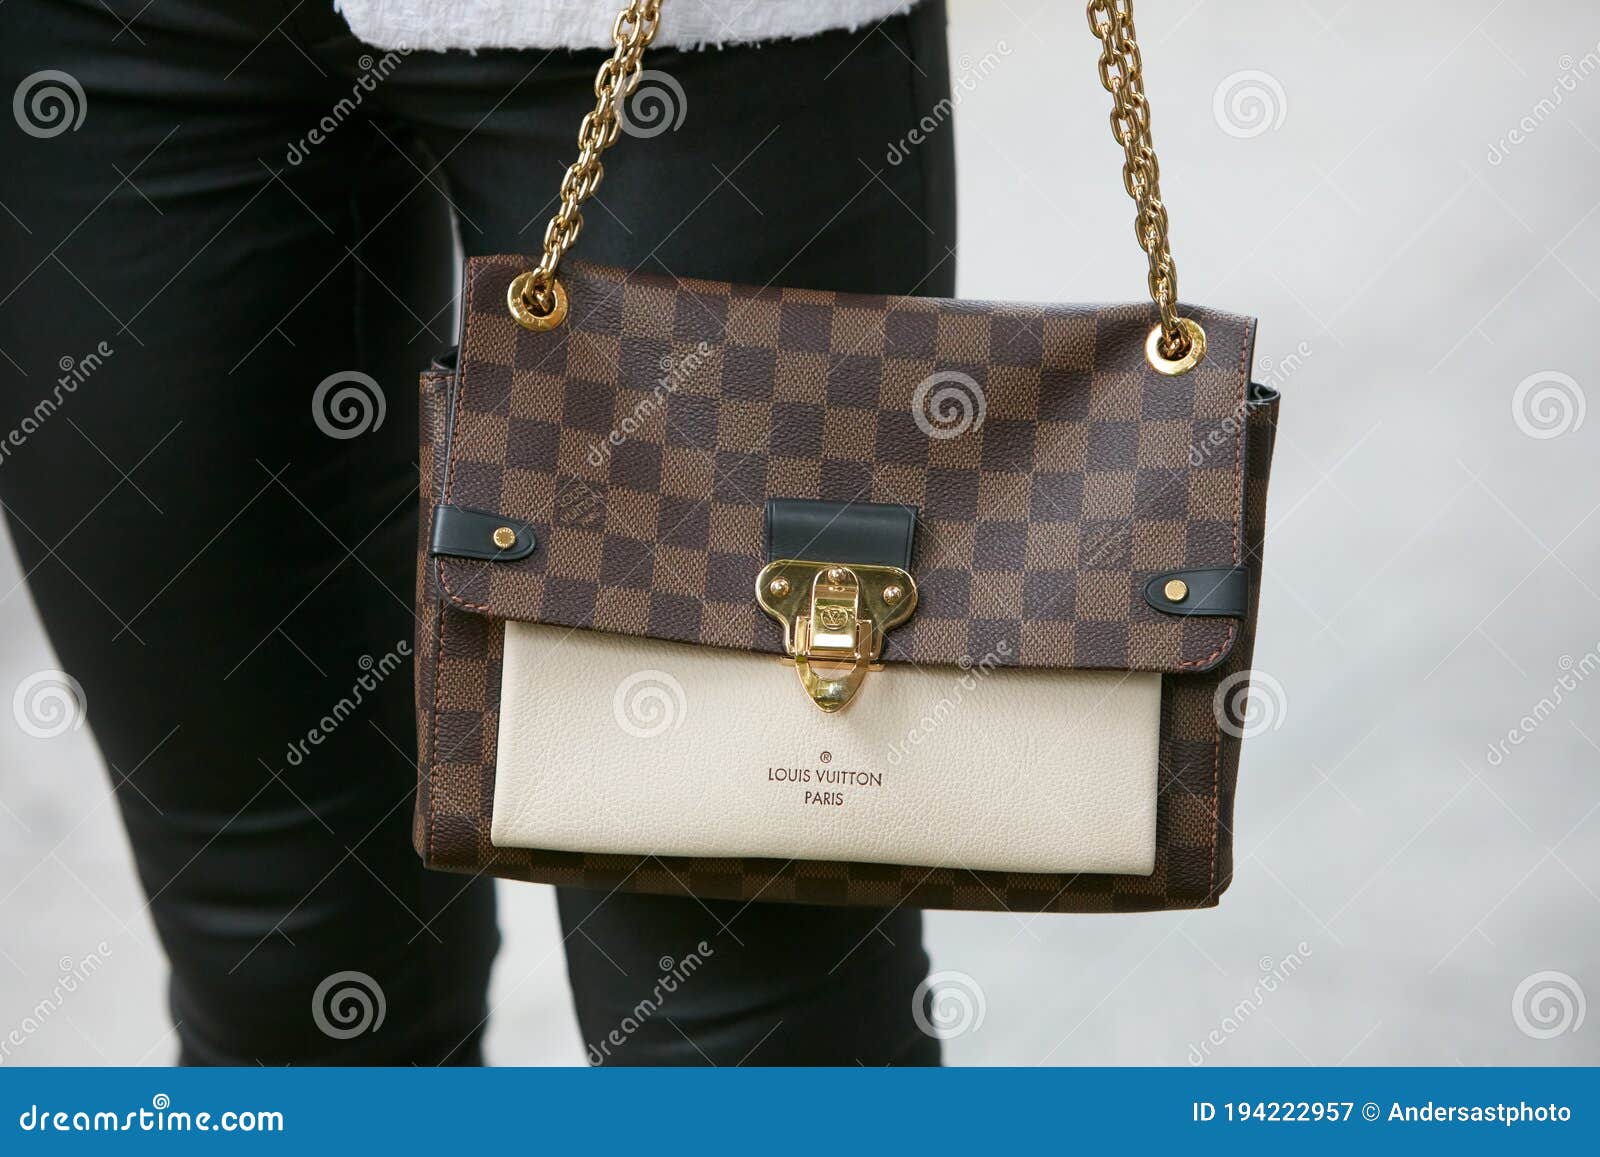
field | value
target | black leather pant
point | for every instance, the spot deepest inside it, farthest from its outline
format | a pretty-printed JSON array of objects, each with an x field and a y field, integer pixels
[{"x": 245, "y": 210}]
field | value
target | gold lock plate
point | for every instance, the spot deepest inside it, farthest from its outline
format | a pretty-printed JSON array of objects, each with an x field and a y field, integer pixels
[{"x": 834, "y": 617}]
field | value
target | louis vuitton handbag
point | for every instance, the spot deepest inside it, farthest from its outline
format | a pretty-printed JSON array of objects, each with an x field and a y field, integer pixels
[{"x": 867, "y": 600}]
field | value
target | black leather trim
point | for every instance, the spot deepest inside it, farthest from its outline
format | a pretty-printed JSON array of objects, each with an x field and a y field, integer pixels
[
  {"x": 446, "y": 362},
  {"x": 868, "y": 533},
  {"x": 464, "y": 533},
  {"x": 1220, "y": 591},
  {"x": 1261, "y": 394}
]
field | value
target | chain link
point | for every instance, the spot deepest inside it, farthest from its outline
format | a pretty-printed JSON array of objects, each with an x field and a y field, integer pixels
[
  {"x": 537, "y": 298},
  {"x": 1122, "y": 73},
  {"x": 634, "y": 29}
]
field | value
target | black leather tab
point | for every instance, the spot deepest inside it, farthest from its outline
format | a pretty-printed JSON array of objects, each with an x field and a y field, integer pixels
[
  {"x": 464, "y": 533},
  {"x": 868, "y": 533},
  {"x": 1224, "y": 592},
  {"x": 1261, "y": 394}
]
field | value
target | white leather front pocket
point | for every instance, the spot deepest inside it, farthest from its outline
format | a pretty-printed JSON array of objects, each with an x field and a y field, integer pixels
[{"x": 616, "y": 744}]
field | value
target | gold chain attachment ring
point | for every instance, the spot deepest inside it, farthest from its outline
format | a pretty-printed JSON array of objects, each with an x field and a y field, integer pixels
[
  {"x": 1122, "y": 73},
  {"x": 523, "y": 298},
  {"x": 1155, "y": 349},
  {"x": 536, "y": 299}
]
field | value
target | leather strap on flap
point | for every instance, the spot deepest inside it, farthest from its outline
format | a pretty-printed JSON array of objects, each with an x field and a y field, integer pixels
[
  {"x": 1220, "y": 591},
  {"x": 464, "y": 533},
  {"x": 861, "y": 533}
]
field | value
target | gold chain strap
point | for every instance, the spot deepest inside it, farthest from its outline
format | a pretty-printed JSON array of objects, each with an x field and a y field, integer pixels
[
  {"x": 536, "y": 298},
  {"x": 1175, "y": 346}
]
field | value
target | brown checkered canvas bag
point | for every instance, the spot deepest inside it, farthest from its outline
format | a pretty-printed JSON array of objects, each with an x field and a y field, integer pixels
[{"x": 698, "y": 483}]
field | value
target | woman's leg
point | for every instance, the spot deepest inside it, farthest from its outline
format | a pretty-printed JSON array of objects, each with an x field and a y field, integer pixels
[
  {"x": 229, "y": 582},
  {"x": 778, "y": 173}
]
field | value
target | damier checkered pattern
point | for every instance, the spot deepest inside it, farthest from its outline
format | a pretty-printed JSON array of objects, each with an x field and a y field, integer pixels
[
  {"x": 643, "y": 438},
  {"x": 458, "y": 703}
]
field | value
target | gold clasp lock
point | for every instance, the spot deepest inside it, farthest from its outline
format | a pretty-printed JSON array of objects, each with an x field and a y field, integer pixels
[{"x": 834, "y": 617}]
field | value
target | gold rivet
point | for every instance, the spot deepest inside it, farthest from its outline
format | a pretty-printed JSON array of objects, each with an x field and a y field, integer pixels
[
  {"x": 836, "y": 575},
  {"x": 504, "y": 537},
  {"x": 1176, "y": 590},
  {"x": 1192, "y": 356},
  {"x": 779, "y": 586},
  {"x": 893, "y": 594},
  {"x": 521, "y": 300}
]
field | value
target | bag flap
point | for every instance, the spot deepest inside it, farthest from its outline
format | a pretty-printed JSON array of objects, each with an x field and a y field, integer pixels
[{"x": 1055, "y": 473}]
